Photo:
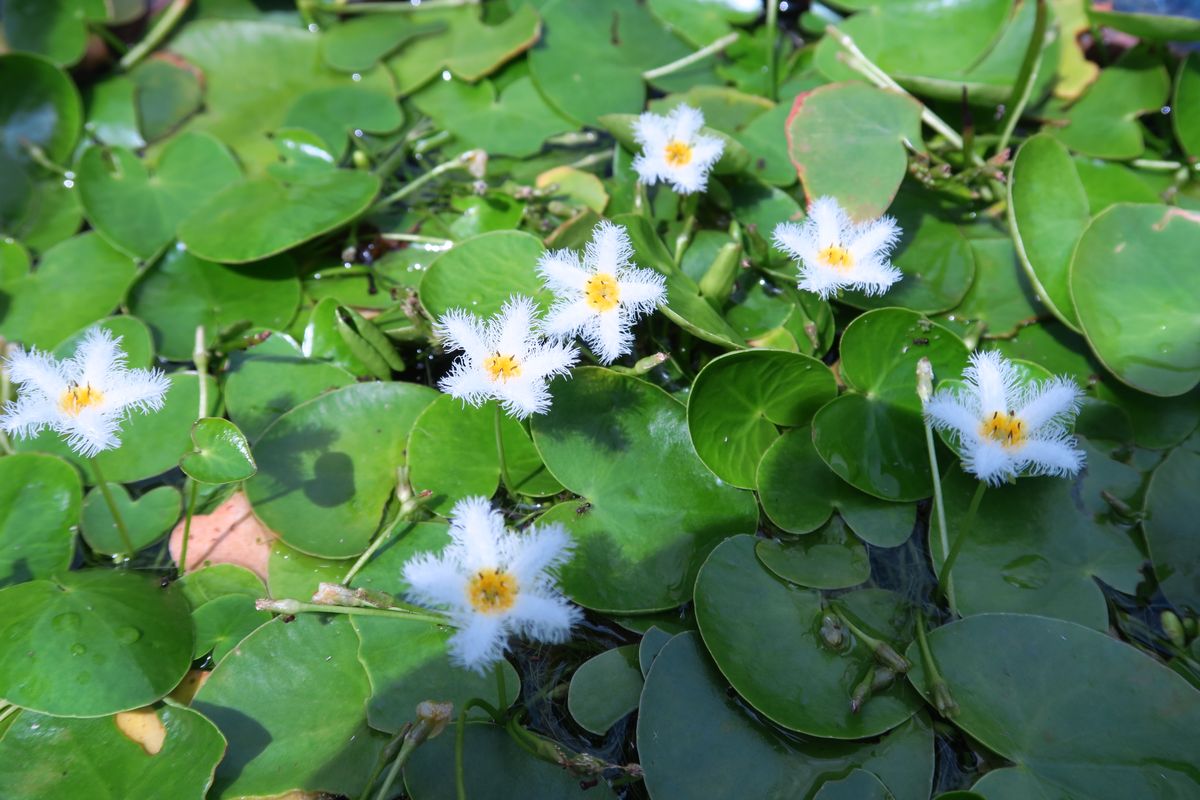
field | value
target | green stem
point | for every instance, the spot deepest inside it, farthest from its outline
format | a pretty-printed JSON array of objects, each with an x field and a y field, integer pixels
[
  {"x": 773, "y": 49},
  {"x": 390, "y": 7},
  {"x": 960, "y": 540},
  {"x": 410, "y": 745},
  {"x": 883, "y": 651},
  {"x": 379, "y": 541},
  {"x": 112, "y": 508},
  {"x": 1023, "y": 87},
  {"x": 187, "y": 526},
  {"x": 292, "y": 607},
  {"x": 505, "y": 481},
  {"x": 686, "y": 61},
  {"x": 8, "y": 712},
  {"x": 417, "y": 239},
  {"x": 938, "y": 688},
  {"x": 157, "y": 35},
  {"x": 592, "y": 159},
  {"x": 460, "y": 738},
  {"x": 404, "y": 191},
  {"x": 200, "y": 357},
  {"x": 501, "y": 689},
  {"x": 939, "y": 507}
]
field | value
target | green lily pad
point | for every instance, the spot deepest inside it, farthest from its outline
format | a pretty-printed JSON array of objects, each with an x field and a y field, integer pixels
[
  {"x": 271, "y": 379},
  {"x": 39, "y": 502},
  {"x": 740, "y": 400},
  {"x": 685, "y": 306},
  {"x": 1001, "y": 297},
  {"x": 1185, "y": 106},
  {"x": 652, "y": 643},
  {"x": 481, "y": 273},
  {"x": 873, "y": 437},
  {"x": 1047, "y": 213},
  {"x": 605, "y": 689},
  {"x": 327, "y": 467},
  {"x": 336, "y": 113},
  {"x": 1082, "y": 713},
  {"x": 1110, "y": 182},
  {"x": 1038, "y": 545},
  {"x": 221, "y": 454},
  {"x": 780, "y": 664},
  {"x": 1171, "y": 512},
  {"x": 1159, "y": 27},
  {"x": 92, "y": 642},
  {"x": 847, "y": 140},
  {"x": 495, "y": 768},
  {"x": 139, "y": 212},
  {"x": 53, "y": 757},
  {"x": 858, "y": 785},
  {"x": 830, "y": 558},
  {"x": 1138, "y": 305},
  {"x": 40, "y": 106},
  {"x": 222, "y": 623},
  {"x": 151, "y": 443},
  {"x": 407, "y": 663},
  {"x": 167, "y": 95},
  {"x": 514, "y": 122},
  {"x": 466, "y": 46},
  {"x": 655, "y": 511},
  {"x": 219, "y": 580},
  {"x": 98, "y": 276},
  {"x": 934, "y": 255},
  {"x": 58, "y": 32},
  {"x": 358, "y": 43},
  {"x": 452, "y": 453},
  {"x": 134, "y": 335},
  {"x": 291, "y": 573},
  {"x": 695, "y": 740},
  {"x": 146, "y": 519},
  {"x": 282, "y": 735},
  {"x": 182, "y": 292},
  {"x": 799, "y": 493},
  {"x": 1104, "y": 122},
  {"x": 254, "y": 72},
  {"x": 262, "y": 216},
  {"x": 724, "y": 108},
  {"x": 112, "y": 113},
  {"x": 769, "y": 160}
]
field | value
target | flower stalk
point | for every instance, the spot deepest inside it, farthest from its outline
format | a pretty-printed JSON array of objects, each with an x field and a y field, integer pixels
[{"x": 925, "y": 392}]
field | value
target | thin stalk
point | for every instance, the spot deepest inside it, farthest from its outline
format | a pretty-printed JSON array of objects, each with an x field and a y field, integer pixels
[
  {"x": 860, "y": 63},
  {"x": 701, "y": 54},
  {"x": 381, "y": 762},
  {"x": 379, "y": 541},
  {"x": 157, "y": 34},
  {"x": 391, "y": 7},
  {"x": 404, "y": 191},
  {"x": 1157, "y": 165},
  {"x": 460, "y": 738},
  {"x": 8, "y": 712},
  {"x": 939, "y": 508},
  {"x": 200, "y": 357},
  {"x": 1026, "y": 76},
  {"x": 187, "y": 525},
  {"x": 773, "y": 49},
  {"x": 960, "y": 540},
  {"x": 109, "y": 38},
  {"x": 938, "y": 687},
  {"x": 417, "y": 238},
  {"x": 505, "y": 481},
  {"x": 593, "y": 159},
  {"x": 407, "y": 749},
  {"x": 293, "y": 607},
  {"x": 112, "y": 508},
  {"x": 689, "y": 224},
  {"x": 501, "y": 689}
]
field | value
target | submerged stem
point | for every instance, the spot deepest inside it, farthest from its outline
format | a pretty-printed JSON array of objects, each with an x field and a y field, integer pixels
[
  {"x": 938, "y": 688},
  {"x": 187, "y": 526},
  {"x": 688, "y": 60},
  {"x": 130, "y": 550},
  {"x": 504, "y": 479},
  {"x": 968, "y": 523}
]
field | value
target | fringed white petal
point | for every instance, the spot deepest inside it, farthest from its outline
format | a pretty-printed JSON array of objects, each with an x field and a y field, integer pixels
[
  {"x": 609, "y": 337},
  {"x": 561, "y": 272},
  {"x": 479, "y": 642},
  {"x": 462, "y": 330},
  {"x": 829, "y": 222},
  {"x": 476, "y": 529},
  {"x": 435, "y": 582},
  {"x": 97, "y": 358},
  {"x": 1050, "y": 404},
  {"x": 568, "y": 318},
  {"x": 1058, "y": 456},
  {"x": 609, "y": 249},
  {"x": 90, "y": 432},
  {"x": 544, "y": 617},
  {"x": 141, "y": 389},
  {"x": 538, "y": 552},
  {"x": 995, "y": 379},
  {"x": 988, "y": 460},
  {"x": 511, "y": 332},
  {"x": 874, "y": 240},
  {"x": 952, "y": 411},
  {"x": 39, "y": 372},
  {"x": 685, "y": 122}
]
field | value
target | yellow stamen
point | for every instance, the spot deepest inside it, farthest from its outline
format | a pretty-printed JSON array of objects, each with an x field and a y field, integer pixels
[
  {"x": 76, "y": 398},
  {"x": 602, "y": 292},
  {"x": 502, "y": 367},
  {"x": 837, "y": 257},
  {"x": 492, "y": 591},
  {"x": 679, "y": 154},
  {"x": 1007, "y": 429}
]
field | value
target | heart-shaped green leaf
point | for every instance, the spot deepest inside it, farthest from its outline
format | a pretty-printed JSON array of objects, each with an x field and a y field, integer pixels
[
  {"x": 858, "y": 785},
  {"x": 92, "y": 642},
  {"x": 780, "y": 664},
  {"x": 830, "y": 558},
  {"x": 513, "y": 123},
  {"x": 1080, "y": 713},
  {"x": 482, "y": 273},
  {"x": 139, "y": 212},
  {"x": 59, "y": 31},
  {"x": 652, "y": 509},
  {"x": 222, "y": 623},
  {"x": 739, "y": 401},
  {"x": 39, "y": 502},
  {"x": 1172, "y": 507},
  {"x": 221, "y": 454},
  {"x": 605, "y": 688},
  {"x": 847, "y": 140},
  {"x": 146, "y": 519},
  {"x": 358, "y": 43}
]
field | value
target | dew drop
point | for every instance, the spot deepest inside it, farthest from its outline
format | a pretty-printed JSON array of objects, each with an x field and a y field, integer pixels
[
  {"x": 68, "y": 621},
  {"x": 127, "y": 634},
  {"x": 78, "y": 649},
  {"x": 1027, "y": 572}
]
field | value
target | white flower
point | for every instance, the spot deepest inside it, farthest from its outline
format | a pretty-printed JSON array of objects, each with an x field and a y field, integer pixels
[
  {"x": 505, "y": 358},
  {"x": 674, "y": 150},
  {"x": 834, "y": 253},
  {"x": 493, "y": 583},
  {"x": 1003, "y": 428},
  {"x": 84, "y": 398},
  {"x": 602, "y": 298}
]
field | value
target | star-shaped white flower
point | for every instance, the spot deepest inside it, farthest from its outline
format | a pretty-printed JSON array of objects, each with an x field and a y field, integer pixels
[
  {"x": 83, "y": 398},
  {"x": 1004, "y": 428},
  {"x": 674, "y": 150},
  {"x": 505, "y": 358},
  {"x": 834, "y": 253},
  {"x": 493, "y": 583},
  {"x": 601, "y": 298}
]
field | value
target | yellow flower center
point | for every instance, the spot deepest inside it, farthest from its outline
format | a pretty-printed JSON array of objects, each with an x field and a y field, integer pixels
[
  {"x": 837, "y": 257},
  {"x": 679, "y": 154},
  {"x": 492, "y": 591},
  {"x": 76, "y": 398},
  {"x": 602, "y": 292},
  {"x": 502, "y": 367},
  {"x": 1007, "y": 429}
]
